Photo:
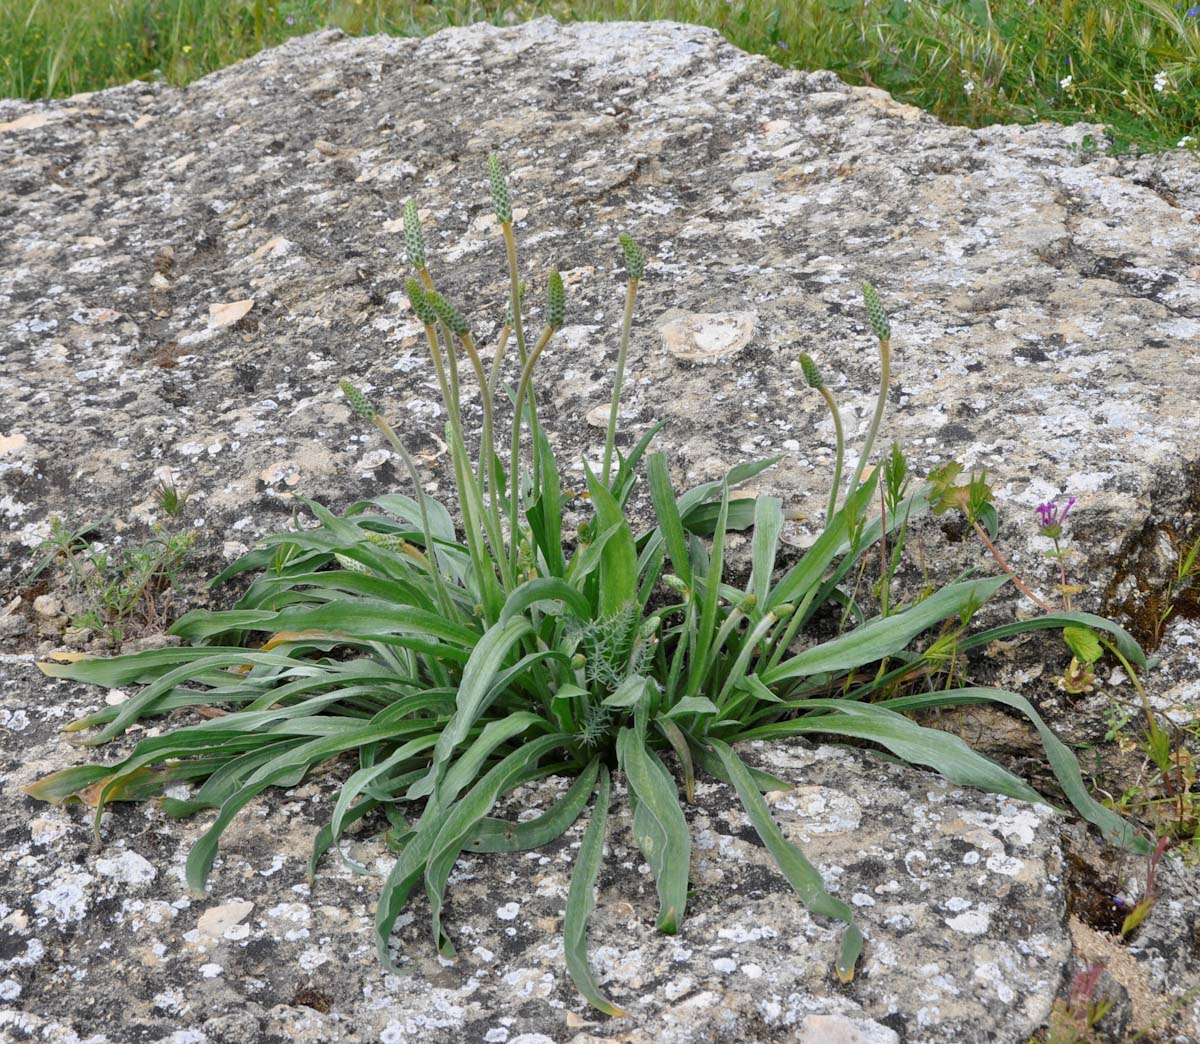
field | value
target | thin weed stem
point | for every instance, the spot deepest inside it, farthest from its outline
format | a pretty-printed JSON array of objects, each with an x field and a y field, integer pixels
[
  {"x": 430, "y": 557},
  {"x": 885, "y": 375},
  {"x": 840, "y": 452},
  {"x": 510, "y": 249},
  {"x": 1020, "y": 584},
  {"x": 523, "y": 390},
  {"x": 610, "y": 437}
]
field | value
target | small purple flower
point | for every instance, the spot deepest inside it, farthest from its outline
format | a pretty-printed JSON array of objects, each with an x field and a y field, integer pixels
[
  {"x": 1192, "y": 12},
  {"x": 289, "y": 20},
  {"x": 1052, "y": 518}
]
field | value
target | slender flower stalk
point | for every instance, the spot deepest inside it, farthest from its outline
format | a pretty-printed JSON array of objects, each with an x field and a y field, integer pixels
[
  {"x": 365, "y": 410},
  {"x": 469, "y": 494},
  {"x": 502, "y": 342},
  {"x": 883, "y": 332},
  {"x": 504, "y": 215},
  {"x": 555, "y": 311},
  {"x": 635, "y": 265},
  {"x": 813, "y": 377},
  {"x": 451, "y": 356},
  {"x": 1020, "y": 584},
  {"x": 455, "y": 325},
  {"x": 1052, "y": 520}
]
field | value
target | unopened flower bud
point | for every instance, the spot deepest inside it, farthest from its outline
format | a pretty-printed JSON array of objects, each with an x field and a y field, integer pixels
[
  {"x": 500, "y": 197},
  {"x": 635, "y": 260},
  {"x": 876, "y": 314},
  {"x": 812, "y": 375},
  {"x": 414, "y": 241},
  {"x": 358, "y": 401},
  {"x": 421, "y": 306},
  {"x": 556, "y": 302},
  {"x": 350, "y": 564},
  {"x": 448, "y": 314}
]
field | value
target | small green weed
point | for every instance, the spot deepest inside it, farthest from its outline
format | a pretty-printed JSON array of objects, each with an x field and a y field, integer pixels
[
  {"x": 119, "y": 590},
  {"x": 1074, "y": 1020},
  {"x": 453, "y": 664}
]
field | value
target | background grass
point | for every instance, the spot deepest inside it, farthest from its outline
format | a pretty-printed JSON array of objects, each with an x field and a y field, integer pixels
[{"x": 1132, "y": 64}]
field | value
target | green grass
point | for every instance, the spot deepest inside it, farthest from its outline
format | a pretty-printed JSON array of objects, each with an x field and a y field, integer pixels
[{"x": 969, "y": 61}]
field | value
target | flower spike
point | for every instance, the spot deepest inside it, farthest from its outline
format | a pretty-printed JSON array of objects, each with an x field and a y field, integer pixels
[
  {"x": 812, "y": 375},
  {"x": 876, "y": 314},
  {"x": 556, "y": 302},
  {"x": 414, "y": 241},
  {"x": 500, "y": 196},
  {"x": 635, "y": 260},
  {"x": 419, "y": 300},
  {"x": 359, "y": 403},
  {"x": 448, "y": 314}
]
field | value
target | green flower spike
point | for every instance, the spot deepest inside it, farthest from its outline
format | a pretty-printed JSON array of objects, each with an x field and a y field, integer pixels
[
  {"x": 811, "y": 374},
  {"x": 414, "y": 241},
  {"x": 448, "y": 314},
  {"x": 875, "y": 312},
  {"x": 556, "y": 302},
  {"x": 635, "y": 260},
  {"x": 500, "y": 196},
  {"x": 358, "y": 402},
  {"x": 421, "y": 306}
]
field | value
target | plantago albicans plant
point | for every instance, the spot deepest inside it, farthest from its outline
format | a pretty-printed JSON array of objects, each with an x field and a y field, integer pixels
[{"x": 456, "y": 661}]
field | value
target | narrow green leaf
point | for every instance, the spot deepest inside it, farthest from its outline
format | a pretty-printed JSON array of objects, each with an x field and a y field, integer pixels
[
  {"x": 1124, "y": 641},
  {"x": 545, "y": 589},
  {"x": 689, "y": 705},
  {"x": 581, "y": 901},
  {"x": 290, "y": 766},
  {"x": 1062, "y": 761},
  {"x": 660, "y": 828},
  {"x": 702, "y": 520},
  {"x": 883, "y": 635},
  {"x": 460, "y": 819},
  {"x": 679, "y": 745},
  {"x": 627, "y": 466},
  {"x": 752, "y": 684},
  {"x": 806, "y": 574},
  {"x": 364, "y": 777},
  {"x": 485, "y": 662},
  {"x": 618, "y": 560},
  {"x": 324, "y": 837},
  {"x": 357, "y": 617},
  {"x": 736, "y": 475},
  {"x": 710, "y": 595},
  {"x": 501, "y": 835},
  {"x": 800, "y": 873},
  {"x": 629, "y": 692},
  {"x": 669, "y": 522},
  {"x": 545, "y": 515},
  {"x": 711, "y": 764},
  {"x": 918, "y": 745},
  {"x": 768, "y": 524}
]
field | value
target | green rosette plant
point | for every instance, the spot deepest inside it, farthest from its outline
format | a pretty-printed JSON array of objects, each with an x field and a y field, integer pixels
[{"x": 457, "y": 652}]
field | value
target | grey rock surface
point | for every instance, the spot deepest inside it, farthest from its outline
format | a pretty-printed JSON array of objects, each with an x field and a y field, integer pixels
[
  {"x": 186, "y": 273},
  {"x": 960, "y": 895}
]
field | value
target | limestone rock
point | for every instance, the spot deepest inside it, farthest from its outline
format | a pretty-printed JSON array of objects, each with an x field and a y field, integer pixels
[
  {"x": 960, "y": 896},
  {"x": 1045, "y": 301}
]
